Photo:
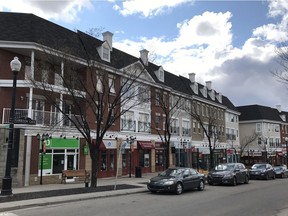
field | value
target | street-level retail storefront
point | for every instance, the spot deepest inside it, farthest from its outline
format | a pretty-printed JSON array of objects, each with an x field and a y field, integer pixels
[
  {"x": 145, "y": 155},
  {"x": 107, "y": 159},
  {"x": 160, "y": 156},
  {"x": 59, "y": 154},
  {"x": 182, "y": 153}
]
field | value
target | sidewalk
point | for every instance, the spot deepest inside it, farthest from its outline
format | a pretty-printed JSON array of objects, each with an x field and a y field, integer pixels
[{"x": 134, "y": 185}]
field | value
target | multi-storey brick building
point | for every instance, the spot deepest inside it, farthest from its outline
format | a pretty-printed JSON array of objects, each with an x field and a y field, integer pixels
[{"x": 31, "y": 38}]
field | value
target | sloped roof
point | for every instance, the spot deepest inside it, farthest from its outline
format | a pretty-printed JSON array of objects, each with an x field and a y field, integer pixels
[
  {"x": 258, "y": 112},
  {"x": 31, "y": 28}
]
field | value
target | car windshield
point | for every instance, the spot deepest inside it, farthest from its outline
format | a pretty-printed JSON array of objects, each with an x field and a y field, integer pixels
[
  {"x": 278, "y": 168},
  {"x": 259, "y": 166},
  {"x": 225, "y": 167},
  {"x": 171, "y": 173}
]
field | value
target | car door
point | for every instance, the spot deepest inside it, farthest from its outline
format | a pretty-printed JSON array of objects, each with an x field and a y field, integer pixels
[
  {"x": 238, "y": 173},
  {"x": 187, "y": 179},
  {"x": 195, "y": 178},
  {"x": 243, "y": 172}
]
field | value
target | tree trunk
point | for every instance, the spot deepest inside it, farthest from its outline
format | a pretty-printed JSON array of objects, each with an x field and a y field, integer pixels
[{"x": 94, "y": 164}]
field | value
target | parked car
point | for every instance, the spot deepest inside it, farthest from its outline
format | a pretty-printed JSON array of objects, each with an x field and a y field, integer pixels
[
  {"x": 262, "y": 171},
  {"x": 228, "y": 173},
  {"x": 177, "y": 180},
  {"x": 281, "y": 171}
]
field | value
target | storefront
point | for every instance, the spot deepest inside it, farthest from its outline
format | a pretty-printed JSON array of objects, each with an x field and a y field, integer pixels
[
  {"x": 144, "y": 155},
  {"x": 182, "y": 153},
  {"x": 107, "y": 159},
  {"x": 129, "y": 160},
  {"x": 61, "y": 154},
  {"x": 160, "y": 156}
]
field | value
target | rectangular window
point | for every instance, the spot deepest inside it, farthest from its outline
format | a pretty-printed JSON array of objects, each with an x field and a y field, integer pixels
[
  {"x": 157, "y": 98},
  {"x": 111, "y": 86},
  {"x": 157, "y": 121},
  {"x": 106, "y": 53},
  {"x": 28, "y": 72},
  {"x": 258, "y": 127}
]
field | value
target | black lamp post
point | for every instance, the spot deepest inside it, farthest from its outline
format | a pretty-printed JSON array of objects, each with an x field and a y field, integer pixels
[
  {"x": 6, "y": 190},
  {"x": 286, "y": 142},
  {"x": 130, "y": 140},
  {"x": 43, "y": 140}
]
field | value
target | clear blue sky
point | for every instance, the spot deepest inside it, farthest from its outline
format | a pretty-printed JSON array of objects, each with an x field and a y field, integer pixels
[{"x": 231, "y": 43}]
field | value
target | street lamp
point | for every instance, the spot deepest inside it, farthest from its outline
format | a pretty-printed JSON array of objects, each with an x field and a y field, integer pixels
[
  {"x": 130, "y": 140},
  {"x": 6, "y": 190},
  {"x": 286, "y": 142},
  {"x": 43, "y": 139}
]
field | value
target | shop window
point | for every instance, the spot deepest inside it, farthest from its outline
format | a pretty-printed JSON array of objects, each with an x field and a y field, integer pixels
[
  {"x": 124, "y": 161},
  {"x": 103, "y": 160},
  {"x": 111, "y": 161},
  {"x": 159, "y": 157}
]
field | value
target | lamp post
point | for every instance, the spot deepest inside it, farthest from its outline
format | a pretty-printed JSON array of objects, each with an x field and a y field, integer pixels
[
  {"x": 6, "y": 190},
  {"x": 130, "y": 140},
  {"x": 286, "y": 142},
  {"x": 43, "y": 140}
]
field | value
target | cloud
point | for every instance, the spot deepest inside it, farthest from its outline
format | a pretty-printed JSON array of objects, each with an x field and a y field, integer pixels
[
  {"x": 204, "y": 45},
  {"x": 65, "y": 10},
  {"x": 148, "y": 8}
]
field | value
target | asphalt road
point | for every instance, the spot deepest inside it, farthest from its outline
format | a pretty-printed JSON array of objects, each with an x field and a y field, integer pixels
[{"x": 259, "y": 197}]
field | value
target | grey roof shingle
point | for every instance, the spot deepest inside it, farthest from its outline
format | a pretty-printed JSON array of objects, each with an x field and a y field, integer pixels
[
  {"x": 30, "y": 28},
  {"x": 258, "y": 112}
]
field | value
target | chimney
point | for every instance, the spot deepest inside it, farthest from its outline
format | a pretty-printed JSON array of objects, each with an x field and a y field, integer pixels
[
  {"x": 192, "y": 77},
  {"x": 144, "y": 56},
  {"x": 278, "y": 107},
  {"x": 107, "y": 36},
  {"x": 209, "y": 85}
]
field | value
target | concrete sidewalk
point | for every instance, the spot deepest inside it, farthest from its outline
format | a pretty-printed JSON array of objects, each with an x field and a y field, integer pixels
[{"x": 139, "y": 182}]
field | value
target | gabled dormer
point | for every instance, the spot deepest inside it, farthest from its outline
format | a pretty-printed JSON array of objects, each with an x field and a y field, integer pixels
[
  {"x": 212, "y": 94},
  {"x": 219, "y": 97},
  {"x": 106, "y": 48},
  {"x": 193, "y": 84},
  {"x": 160, "y": 74},
  {"x": 204, "y": 91}
]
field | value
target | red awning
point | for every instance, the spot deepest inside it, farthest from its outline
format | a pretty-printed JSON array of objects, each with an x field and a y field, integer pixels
[{"x": 145, "y": 145}]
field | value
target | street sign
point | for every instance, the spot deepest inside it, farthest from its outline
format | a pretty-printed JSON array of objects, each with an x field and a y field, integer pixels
[{"x": 25, "y": 120}]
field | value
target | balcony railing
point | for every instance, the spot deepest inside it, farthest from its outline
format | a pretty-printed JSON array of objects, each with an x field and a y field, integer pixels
[
  {"x": 128, "y": 125},
  {"x": 144, "y": 127},
  {"x": 44, "y": 118}
]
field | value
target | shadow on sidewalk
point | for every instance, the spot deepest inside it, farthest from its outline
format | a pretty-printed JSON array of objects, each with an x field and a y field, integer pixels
[{"x": 63, "y": 192}]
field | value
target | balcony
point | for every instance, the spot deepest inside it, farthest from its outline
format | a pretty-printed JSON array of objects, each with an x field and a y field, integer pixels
[
  {"x": 128, "y": 125},
  {"x": 174, "y": 130},
  {"x": 230, "y": 137},
  {"x": 144, "y": 127},
  {"x": 43, "y": 118}
]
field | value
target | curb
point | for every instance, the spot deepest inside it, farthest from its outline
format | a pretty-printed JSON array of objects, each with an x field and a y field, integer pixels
[{"x": 73, "y": 198}]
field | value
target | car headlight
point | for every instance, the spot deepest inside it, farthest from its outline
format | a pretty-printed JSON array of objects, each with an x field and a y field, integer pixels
[{"x": 168, "y": 182}]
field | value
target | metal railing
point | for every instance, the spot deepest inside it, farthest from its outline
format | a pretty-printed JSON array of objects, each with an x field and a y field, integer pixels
[{"x": 44, "y": 118}]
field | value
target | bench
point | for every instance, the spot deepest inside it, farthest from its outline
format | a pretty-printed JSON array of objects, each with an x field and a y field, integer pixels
[{"x": 81, "y": 173}]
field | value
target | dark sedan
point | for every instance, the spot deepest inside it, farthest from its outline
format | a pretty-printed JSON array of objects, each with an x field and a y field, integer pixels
[
  {"x": 177, "y": 180},
  {"x": 262, "y": 171},
  {"x": 228, "y": 173},
  {"x": 281, "y": 171}
]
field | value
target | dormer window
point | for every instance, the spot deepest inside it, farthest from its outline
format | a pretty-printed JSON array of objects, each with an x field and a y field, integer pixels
[
  {"x": 204, "y": 91},
  {"x": 105, "y": 53},
  {"x": 160, "y": 74},
  {"x": 212, "y": 94}
]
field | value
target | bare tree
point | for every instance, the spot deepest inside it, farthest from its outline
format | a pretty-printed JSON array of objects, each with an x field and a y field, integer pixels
[
  {"x": 211, "y": 125},
  {"x": 99, "y": 95},
  {"x": 246, "y": 142},
  {"x": 282, "y": 73},
  {"x": 169, "y": 106}
]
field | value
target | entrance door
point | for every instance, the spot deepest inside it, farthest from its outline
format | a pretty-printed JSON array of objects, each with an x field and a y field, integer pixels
[{"x": 70, "y": 162}]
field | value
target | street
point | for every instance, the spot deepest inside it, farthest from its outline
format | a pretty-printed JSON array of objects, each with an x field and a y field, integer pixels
[{"x": 259, "y": 197}]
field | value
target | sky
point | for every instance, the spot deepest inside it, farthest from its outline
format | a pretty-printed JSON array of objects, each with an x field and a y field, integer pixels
[{"x": 231, "y": 43}]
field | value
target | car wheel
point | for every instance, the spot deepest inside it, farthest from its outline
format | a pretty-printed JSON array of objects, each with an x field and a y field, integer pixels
[
  {"x": 179, "y": 188},
  {"x": 210, "y": 182},
  {"x": 152, "y": 191},
  {"x": 234, "y": 182},
  {"x": 201, "y": 186},
  {"x": 273, "y": 176},
  {"x": 266, "y": 176},
  {"x": 246, "y": 179}
]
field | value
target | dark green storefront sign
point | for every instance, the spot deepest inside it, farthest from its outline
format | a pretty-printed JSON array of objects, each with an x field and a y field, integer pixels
[{"x": 61, "y": 143}]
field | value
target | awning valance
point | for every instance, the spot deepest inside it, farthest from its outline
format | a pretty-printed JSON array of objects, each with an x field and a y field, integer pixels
[{"x": 145, "y": 145}]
